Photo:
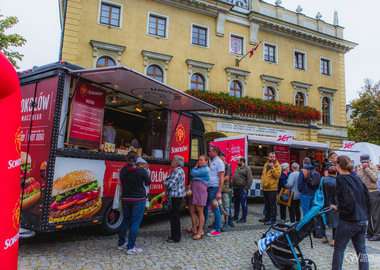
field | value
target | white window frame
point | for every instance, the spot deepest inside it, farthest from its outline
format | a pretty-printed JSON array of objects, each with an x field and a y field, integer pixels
[
  {"x": 241, "y": 84},
  {"x": 276, "y": 53},
  {"x": 166, "y": 26},
  {"x": 330, "y": 66},
  {"x": 243, "y": 44},
  {"x": 113, "y": 4},
  {"x": 207, "y": 38},
  {"x": 305, "y": 60}
]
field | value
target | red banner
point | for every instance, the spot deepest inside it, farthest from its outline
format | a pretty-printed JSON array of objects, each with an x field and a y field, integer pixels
[
  {"x": 87, "y": 111},
  {"x": 9, "y": 164},
  {"x": 35, "y": 165},
  {"x": 180, "y": 141}
]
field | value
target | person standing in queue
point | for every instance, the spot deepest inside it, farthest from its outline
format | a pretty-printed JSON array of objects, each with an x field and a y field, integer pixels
[
  {"x": 306, "y": 191},
  {"x": 225, "y": 207},
  {"x": 175, "y": 190},
  {"x": 353, "y": 202},
  {"x": 241, "y": 183},
  {"x": 198, "y": 199},
  {"x": 285, "y": 171},
  {"x": 292, "y": 184},
  {"x": 214, "y": 189},
  {"x": 269, "y": 183},
  {"x": 133, "y": 181},
  {"x": 368, "y": 174}
]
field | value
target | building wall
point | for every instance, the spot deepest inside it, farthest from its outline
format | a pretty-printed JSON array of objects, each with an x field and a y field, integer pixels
[{"x": 82, "y": 26}]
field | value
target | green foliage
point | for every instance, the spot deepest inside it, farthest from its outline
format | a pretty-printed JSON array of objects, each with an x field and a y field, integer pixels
[
  {"x": 11, "y": 40},
  {"x": 256, "y": 106},
  {"x": 366, "y": 114}
]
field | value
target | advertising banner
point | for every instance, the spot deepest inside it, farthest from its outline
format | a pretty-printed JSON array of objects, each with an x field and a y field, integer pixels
[
  {"x": 284, "y": 138},
  {"x": 180, "y": 141},
  {"x": 9, "y": 164},
  {"x": 86, "y": 119},
  {"x": 282, "y": 153},
  {"x": 34, "y": 165},
  {"x": 348, "y": 145}
]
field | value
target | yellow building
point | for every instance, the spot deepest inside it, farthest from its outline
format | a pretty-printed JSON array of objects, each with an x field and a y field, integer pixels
[{"x": 195, "y": 44}]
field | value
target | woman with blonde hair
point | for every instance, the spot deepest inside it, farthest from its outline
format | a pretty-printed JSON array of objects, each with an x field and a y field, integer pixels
[{"x": 198, "y": 199}]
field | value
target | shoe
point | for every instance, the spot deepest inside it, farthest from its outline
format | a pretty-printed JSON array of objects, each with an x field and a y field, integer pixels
[
  {"x": 282, "y": 220},
  {"x": 213, "y": 233},
  {"x": 198, "y": 236},
  {"x": 264, "y": 219},
  {"x": 242, "y": 220},
  {"x": 212, "y": 225},
  {"x": 374, "y": 238},
  {"x": 171, "y": 241},
  {"x": 269, "y": 222},
  {"x": 133, "y": 251},
  {"x": 225, "y": 227},
  {"x": 332, "y": 243},
  {"x": 123, "y": 246},
  {"x": 190, "y": 230},
  {"x": 325, "y": 240},
  {"x": 235, "y": 218},
  {"x": 231, "y": 223}
]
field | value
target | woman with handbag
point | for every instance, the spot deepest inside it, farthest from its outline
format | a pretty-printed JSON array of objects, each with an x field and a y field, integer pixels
[
  {"x": 281, "y": 184},
  {"x": 198, "y": 199},
  {"x": 292, "y": 184},
  {"x": 175, "y": 191}
]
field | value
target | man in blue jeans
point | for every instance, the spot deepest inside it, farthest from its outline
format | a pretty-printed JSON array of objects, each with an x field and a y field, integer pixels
[
  {"x": 214, "y": 189},
  {"x": 306, "y": 192}
]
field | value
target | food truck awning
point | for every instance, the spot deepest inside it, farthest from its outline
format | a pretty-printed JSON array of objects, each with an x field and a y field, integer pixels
[
  {"x": 143, "y": 88},
  {"x": 295, "y": 143}
]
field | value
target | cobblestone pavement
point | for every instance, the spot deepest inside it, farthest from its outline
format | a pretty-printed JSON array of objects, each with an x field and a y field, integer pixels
[{"x": 85, "y": 249}]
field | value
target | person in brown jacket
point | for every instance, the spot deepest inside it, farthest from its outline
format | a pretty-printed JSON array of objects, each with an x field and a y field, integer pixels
[
  {"x": 269, "y": 184},
  {"x": 368, "y": 174}
]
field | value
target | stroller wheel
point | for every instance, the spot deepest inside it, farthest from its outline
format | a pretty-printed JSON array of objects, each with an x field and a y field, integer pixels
[
  {"x": 257, "y": 261},
  {"x": 309, "y": 265}
]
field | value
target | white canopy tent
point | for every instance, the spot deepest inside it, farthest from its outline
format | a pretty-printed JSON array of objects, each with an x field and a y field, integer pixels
[{"x": 359, "y": 149}]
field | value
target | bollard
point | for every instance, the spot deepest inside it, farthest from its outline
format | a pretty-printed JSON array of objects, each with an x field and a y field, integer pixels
[{"x": 10, "y": 139}]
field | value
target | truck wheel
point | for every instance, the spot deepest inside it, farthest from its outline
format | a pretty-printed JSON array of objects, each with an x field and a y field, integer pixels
[{"x": 111, "y": 220}]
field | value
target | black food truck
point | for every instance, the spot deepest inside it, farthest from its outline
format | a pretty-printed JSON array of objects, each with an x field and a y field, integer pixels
[{"x": 70, "y": 166}]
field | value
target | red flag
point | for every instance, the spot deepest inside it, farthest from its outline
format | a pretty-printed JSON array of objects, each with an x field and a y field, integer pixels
[{"x": 254, "y": 49}]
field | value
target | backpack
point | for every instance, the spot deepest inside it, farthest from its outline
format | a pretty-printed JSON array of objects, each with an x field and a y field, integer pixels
[{"x": 313, "y": 178}]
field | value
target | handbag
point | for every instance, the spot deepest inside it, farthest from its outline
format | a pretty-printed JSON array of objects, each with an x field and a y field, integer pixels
[
  {"x": 117, "y": 197},
  {"x": 167, "y": 205},
  {"x": 285, "y": 196}
]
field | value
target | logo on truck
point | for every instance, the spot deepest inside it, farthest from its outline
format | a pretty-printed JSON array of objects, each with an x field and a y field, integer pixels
[{"x": 180, "y": 134}]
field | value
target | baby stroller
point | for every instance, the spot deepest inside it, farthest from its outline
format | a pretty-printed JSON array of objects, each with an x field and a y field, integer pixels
[{"x": 283, "y": 247}]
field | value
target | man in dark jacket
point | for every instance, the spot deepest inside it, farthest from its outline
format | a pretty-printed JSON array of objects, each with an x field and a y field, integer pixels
[
  {"x": 306, "y": 191},
  {"x": 241, "y": 183}
]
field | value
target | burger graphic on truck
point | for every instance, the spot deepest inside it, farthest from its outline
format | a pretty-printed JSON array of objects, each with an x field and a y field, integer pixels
[{"x": 75, "y": 196}]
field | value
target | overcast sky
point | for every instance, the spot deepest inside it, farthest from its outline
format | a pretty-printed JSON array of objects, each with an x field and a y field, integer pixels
[{"x": 40, "y": 25}]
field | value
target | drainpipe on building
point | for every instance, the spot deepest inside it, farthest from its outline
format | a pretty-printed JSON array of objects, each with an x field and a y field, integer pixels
[{"x": 63, "y": 21}]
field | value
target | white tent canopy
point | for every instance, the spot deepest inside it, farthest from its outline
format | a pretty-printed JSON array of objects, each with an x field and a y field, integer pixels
[{"x": 359, "y": 149}]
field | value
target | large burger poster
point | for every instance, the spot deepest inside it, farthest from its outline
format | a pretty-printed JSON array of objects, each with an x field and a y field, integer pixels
[{"x": 77, "y": 189}]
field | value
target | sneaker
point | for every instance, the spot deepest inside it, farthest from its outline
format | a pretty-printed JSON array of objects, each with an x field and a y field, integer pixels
[
  {"x": 213, "y": 233},
  {"x": 123, "y": 246},
  {"x": 225, "y": 227},
  {"x": 231, "y": 223},
  {"x": 133, "y": 251},
  {"x": 235, "y": 218},
  {"x": 242, "y": 220},
  {"x": 263, "y": 219},
  {"x": 269, "y": 222}
]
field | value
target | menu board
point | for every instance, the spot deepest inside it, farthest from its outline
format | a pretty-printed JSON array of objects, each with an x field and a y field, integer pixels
[
  {"x": 180, "y": 136},
  {"x": 87, "y": 111}
]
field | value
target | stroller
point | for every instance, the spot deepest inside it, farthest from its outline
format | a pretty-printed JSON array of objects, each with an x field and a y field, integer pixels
[{"x": 283, "y": 247}]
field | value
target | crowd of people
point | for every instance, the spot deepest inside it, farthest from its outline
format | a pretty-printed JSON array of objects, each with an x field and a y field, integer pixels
[{"x": 354, "y": 194}]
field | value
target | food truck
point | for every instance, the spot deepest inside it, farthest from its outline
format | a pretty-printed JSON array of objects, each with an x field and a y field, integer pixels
[
  {"x": 255, "y": 150},
  {"x": 68, "y": 173}
]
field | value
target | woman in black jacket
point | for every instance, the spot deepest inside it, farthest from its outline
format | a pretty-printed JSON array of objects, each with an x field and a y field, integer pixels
[
  {"x": 133, "y": 181},
  {"x": 353, "y": 201}
]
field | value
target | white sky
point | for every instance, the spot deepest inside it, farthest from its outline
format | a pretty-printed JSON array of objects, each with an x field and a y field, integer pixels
[{"x": 39, "y": 24}]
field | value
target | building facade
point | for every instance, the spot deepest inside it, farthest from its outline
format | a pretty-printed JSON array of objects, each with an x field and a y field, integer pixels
[{"x": 197, "y": 44}]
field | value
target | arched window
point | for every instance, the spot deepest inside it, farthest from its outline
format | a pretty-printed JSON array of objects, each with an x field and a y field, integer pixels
[
  {"x": 325, "y": 110},
  {"x": 155, "y": 72},
  {"x": 269, "y": 93},
  {"x": 300, "y": 99},
  {"x": 105, "y": 61},
  {"x": 236, "y": 89},
  {"x": 197, "y": 82}
]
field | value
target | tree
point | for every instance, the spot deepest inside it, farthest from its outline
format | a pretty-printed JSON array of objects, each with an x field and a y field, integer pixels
[
  {"x": 11, "y": 40},
  {"x": 366, "y": 114}
]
